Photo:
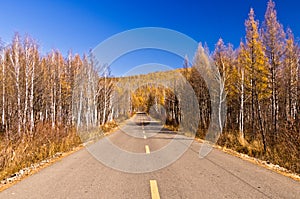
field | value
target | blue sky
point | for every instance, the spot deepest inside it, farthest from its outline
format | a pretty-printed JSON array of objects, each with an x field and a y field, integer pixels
[{"x": 82, "y": 24}]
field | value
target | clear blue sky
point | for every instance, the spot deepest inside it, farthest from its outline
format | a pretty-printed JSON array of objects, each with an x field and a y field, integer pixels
[{"x": 82, "y": 24}]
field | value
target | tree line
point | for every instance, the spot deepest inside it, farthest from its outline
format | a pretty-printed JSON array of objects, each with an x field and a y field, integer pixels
[
  {"x": 262, "y": 87},
  {"x": 51, "y": 89},
  {"x": 46, "y": 100},
  {"x": 260, "y": 81}
]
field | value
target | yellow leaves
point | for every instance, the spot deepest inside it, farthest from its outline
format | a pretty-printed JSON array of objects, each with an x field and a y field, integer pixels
[
  {"x": 253, "y": 61},
  {"x": 141, "y": 98},
  {"x": 224, "y": 59}
]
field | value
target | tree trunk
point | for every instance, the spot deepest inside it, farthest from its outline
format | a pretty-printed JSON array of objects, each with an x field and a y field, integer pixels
[
  {"x": 32, "y": 98},
  {"x": 242, "y": 106},
  {"x": 3, "y": 90}
]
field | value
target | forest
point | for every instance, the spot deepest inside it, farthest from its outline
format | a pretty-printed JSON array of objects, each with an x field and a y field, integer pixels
[
  {"x": 51, "y": 103},
  {"x": 260, "y": 82}
]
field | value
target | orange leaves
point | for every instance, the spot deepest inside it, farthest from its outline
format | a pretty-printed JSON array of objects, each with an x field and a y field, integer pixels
[{"x": 253, "y": 59}]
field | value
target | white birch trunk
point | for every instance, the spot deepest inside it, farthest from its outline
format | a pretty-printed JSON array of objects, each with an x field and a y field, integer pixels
[
  {"x": 53, "y": 94},
  {"x": 3, "y": 89},
  {"x": 32, "y": 97},
  {"x": 79, "y": 110},
  {"x": 59, "y": 90},
  {"x": 242, "y": 105},
  {"x": 17, "y": 71},
  {"x": 16, "y": 66},
  {"x": 105, "y": 100},
  {"x": 27, "y": 71}
]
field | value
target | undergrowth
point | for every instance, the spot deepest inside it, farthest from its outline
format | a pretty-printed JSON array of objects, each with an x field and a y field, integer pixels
[{"x": 21, "y": 151}]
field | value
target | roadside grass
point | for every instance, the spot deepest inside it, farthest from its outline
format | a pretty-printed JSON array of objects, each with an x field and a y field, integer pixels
[
  {"x": 109, "y": 126},
  {"x": 20, "y": 152},
  {"x": 91, "y": 135},
  {"x": 285, "y": 151}
]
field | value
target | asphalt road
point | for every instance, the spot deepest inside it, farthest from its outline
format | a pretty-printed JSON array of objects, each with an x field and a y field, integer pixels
[{"x": 218, "y": 175}]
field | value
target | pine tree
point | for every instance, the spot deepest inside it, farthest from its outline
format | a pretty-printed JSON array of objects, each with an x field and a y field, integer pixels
[
  {"x": 290, "y": 78},
  {"x": 273, "y": 39},
  {"x": 256, "y": 70}
]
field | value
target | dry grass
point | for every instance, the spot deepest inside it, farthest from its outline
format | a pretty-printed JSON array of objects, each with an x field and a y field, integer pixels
[
  {"x": 91, "y": 135},
  {"x": 19, "y": 152},
  {"x": 109, "y": 126},
  {"x": 285, "y": 152},
  {"x": 171, "y": 127}
]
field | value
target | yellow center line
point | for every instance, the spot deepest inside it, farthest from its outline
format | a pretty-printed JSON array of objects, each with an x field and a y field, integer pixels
[
  {"x": 144, "y": 132},
  {"x": 147, "y": 149},
  {"x": 154, "y": 189},
  {"x": 145, "y": 137}
]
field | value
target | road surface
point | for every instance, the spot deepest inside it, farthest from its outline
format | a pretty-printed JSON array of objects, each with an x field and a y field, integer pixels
[{"x": 218, "y": 175}]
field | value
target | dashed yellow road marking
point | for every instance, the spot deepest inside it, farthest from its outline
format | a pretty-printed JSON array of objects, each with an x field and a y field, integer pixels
[
  {"x": 154, "y": 189},
  {"x": 147, "y": 149},
  {"x": 145, "y": 137},
  {"x": 144, "y": 132}
]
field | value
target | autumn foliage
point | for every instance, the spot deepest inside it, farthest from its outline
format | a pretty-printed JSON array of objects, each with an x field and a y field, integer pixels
[{"x": 47, "y": 101}]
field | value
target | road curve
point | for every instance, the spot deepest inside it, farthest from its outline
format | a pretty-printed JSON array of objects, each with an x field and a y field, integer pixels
[{"x": 218, "y": 175}]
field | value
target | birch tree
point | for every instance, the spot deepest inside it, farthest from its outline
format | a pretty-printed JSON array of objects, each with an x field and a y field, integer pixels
[
  {"x": 105, "y": 87},
  {"x": 242, "y": 61},
  {"x": 31, "y": 58},
  {"x": 2, "y": 58},
  {"x": 224, "y": 59},
  {"x": 15, "y": 61}
]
